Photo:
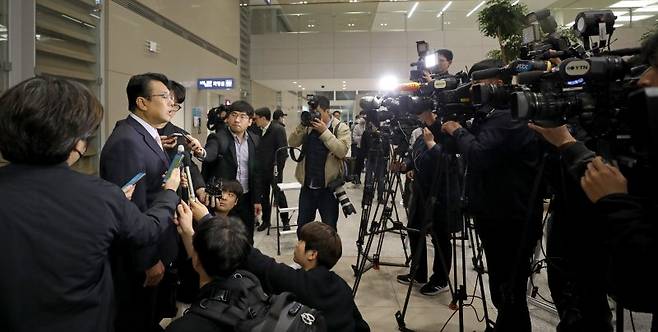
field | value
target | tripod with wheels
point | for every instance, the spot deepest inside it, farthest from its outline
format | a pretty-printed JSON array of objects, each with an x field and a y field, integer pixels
[{"x": 378, "y": 227}]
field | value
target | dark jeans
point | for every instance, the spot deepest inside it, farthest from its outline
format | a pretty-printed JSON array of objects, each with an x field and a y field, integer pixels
[
  {"x": 360, "y": 158},
  {"x": 245, "y": 211},
  {"x": 440, "y": 240},
  {"x": 508, "y": 247},
  {"x": 280, "y": 198},
  {"x": 311, "y": 200}
]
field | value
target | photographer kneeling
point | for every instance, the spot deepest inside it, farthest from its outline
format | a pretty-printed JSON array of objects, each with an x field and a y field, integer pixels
[
  {"x": 325, "y": 142},
  {"x": 502, "y": 158}
]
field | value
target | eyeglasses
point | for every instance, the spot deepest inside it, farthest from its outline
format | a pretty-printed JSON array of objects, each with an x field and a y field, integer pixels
[
  {"x": 176, "y": 107},
  {"x": 165, "y": 95},
  {"x": 242, "y": 116}
]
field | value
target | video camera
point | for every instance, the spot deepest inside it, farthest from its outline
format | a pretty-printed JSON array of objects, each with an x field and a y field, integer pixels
[{"x": 590, "y": 88}]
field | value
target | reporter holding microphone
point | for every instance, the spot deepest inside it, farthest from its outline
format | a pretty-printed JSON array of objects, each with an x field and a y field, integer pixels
[{"x": 58, "y": 225}]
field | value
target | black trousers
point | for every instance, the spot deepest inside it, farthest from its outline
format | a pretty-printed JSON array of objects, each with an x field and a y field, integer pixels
[
  {"x": 312, "y": 200},
  {"x": 508, "y": 246},
  {"x": 440, "y": 240},
  {"x": 360, "y": 158},
  {"x": 576, "y": 256},
  {"x": 279, "y": 196},
  {"x": 245, "y": 211}
]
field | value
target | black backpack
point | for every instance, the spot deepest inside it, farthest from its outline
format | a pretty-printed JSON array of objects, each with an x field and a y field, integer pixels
[{"x": 242, "y": 304}]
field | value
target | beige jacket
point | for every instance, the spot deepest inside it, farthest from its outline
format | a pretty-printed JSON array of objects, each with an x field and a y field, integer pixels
[{"x": 338, "y": 146}]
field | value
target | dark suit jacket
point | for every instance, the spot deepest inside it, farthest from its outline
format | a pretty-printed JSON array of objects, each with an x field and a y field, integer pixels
[
  {"x": 170, "y": 128},
  {"x": 222, "y": 161},
  {"x": 130, "y": 149},
  {"x": 273, "y": 139},
  {"x": 58, "y": 227}
]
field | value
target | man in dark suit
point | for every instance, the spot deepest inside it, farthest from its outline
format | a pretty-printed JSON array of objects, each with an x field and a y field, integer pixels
[
  {"x": 134, "y": 146},
  {"x": 272, "y": 146},
  {"x": 58, "y": 242},
  {"x": 231, "y": 155}
]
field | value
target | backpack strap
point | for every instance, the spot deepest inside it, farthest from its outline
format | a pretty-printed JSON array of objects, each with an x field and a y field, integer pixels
[
  {"x": 239, "y": 300},
  {"x": 278, "y": 303}
]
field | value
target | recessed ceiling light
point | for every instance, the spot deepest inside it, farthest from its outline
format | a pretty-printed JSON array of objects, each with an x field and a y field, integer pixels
[
  {"x": 647, "y": 9},
  {"x": 632, "y": 3},
  {"x": 294, "y": 82},
  {"x": 635, "y": 18},
  {"x": 475, "y": 9},
  {"x": 413, "y": 9},
  {"x": 299, "y": 86},
  {"x": 443, "y": 10}
]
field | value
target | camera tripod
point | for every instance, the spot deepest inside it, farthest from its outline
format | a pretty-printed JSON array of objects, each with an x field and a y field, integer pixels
[
  {"x": 378, "y": 227},
  {"x": 467, "y": 232}
]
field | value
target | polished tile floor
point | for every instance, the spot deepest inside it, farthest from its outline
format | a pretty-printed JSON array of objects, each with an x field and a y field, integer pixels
[{"x": 380, "y": 296}]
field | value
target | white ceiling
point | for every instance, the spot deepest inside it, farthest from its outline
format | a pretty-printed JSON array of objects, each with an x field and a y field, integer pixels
[{"x": 364, "y": 15}]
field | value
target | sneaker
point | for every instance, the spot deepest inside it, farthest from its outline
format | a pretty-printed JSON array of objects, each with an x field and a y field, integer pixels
[
  {"x": 263, "y": 227},
  {"x": 286, "y": 227},
  {"x": 405, "y": 279},
  {"x": 433, "y": 288}
]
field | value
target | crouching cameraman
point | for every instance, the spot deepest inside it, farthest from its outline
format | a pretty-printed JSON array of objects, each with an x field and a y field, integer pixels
[
  {"x": 502, "y": 158},
  {"x": 325, "y": 142}
]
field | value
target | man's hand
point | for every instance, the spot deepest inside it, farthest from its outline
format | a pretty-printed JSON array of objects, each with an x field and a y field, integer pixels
[
  {"x": 168, "y": 142},
  {"x": 450, "y": 126},
  {"x": 128, "y": 191},
  {"x": 428, "y": 137},
  {"x": 183, "y": 219},
  {"x": 557, "y": 136},
  {"x": 154, "y": 274},
  {"x": 174, "y": 180},
  {"x": 601, "y": 180},
  {"x": 201, "y": 195},
  {"x": 318, "y": 126},
  {"x": 258, "y": 209},
  {"x": 195, "y": 146},
  {"x": 397, "y": 166},
  {"x": 410, "y": 175},
  {"x": 198, "y": 210}
]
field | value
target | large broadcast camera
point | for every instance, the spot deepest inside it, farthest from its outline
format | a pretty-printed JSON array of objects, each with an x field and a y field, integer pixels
[{"x": 588, "y": 86}]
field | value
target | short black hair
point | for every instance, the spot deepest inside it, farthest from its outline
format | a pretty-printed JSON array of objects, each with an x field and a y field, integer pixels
[
  {"x": 138, "y": 86},
  {"x": 323, "y": 102},
  {"x": 278, "y": 114},
  {"x": 222, "y": 245},
  {"x": 324, "y": 239},
  {"x": 649, "y": 53},
  {"x": 446, "y": 53},
  {"x": 241, "y": 106},
  {"x": 336, "y": 111},
  {"x": 264, "y": 112},
  {"x": 178, "y": 90},
  {"x": 233, "y": 186},
  {"x": 42, "y": 118}
]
